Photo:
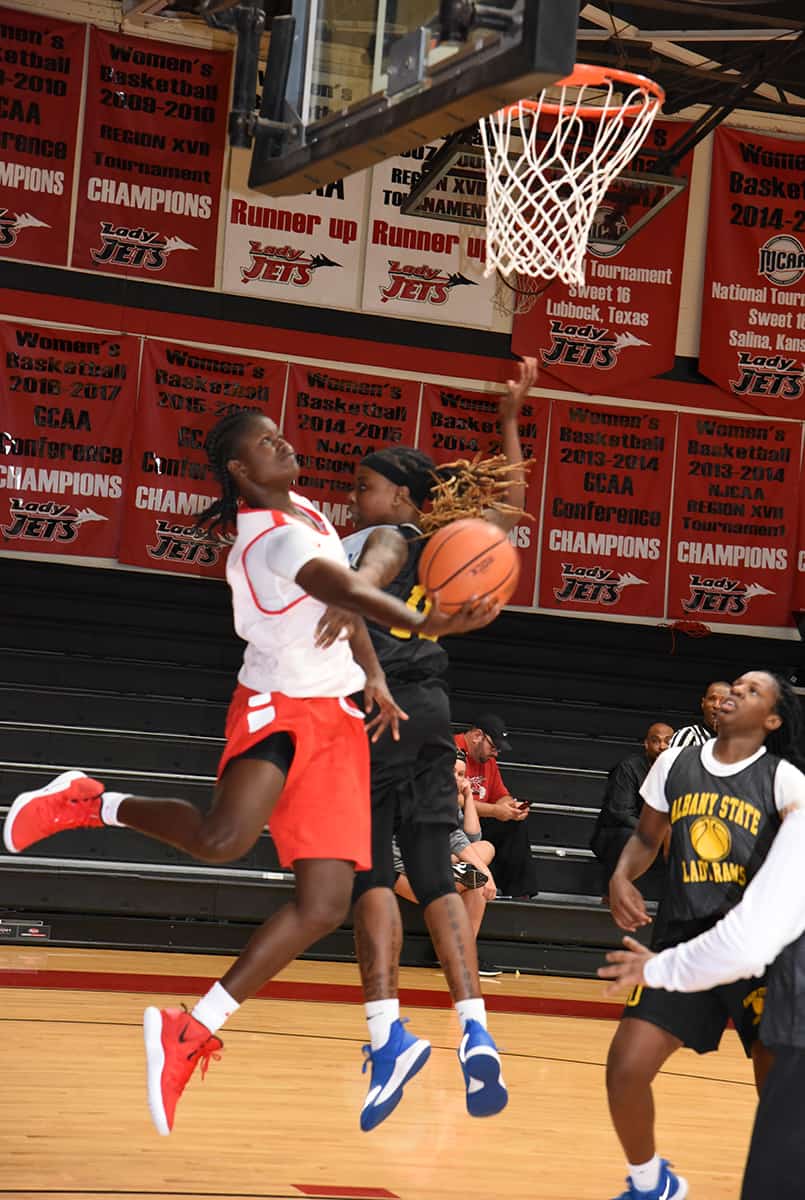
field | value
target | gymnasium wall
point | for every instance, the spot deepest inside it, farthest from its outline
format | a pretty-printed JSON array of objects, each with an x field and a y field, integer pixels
[{"x": 146, "y": 291}]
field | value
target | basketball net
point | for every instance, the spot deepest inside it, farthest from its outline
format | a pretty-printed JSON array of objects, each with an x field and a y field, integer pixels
[{"x": 549, "y": 163}]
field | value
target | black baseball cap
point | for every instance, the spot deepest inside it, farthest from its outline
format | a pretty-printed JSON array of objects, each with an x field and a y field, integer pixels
[{"x": 495, "y": 728}]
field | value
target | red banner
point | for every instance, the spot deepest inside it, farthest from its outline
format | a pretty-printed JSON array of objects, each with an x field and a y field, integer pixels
[
  {"x": 41, "y": 69},
  {"x": 460, "y": 424},
  {"x": 183, "y": 393},
  {"x": 333, "y": 419},
  {"x": 735, "y": 520},
  {"x": 753, "y": 314},
  {"x": 621, "y": 326},
  {"x": 799, "y": 577},
  {"x": 66, "y": 415},
  {"x": 605, "y": 524},
  {"x": 152, "y": 159}
]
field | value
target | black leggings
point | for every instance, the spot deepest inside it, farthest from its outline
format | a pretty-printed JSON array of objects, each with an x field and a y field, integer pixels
[{"x": 425, "y": 850}]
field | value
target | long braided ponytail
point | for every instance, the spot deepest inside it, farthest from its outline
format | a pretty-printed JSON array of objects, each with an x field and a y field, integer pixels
[{"x": 220, "y": 518}]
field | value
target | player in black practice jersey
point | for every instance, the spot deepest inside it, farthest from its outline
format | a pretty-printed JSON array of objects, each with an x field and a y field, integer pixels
[
  {"x": 722, "y": 802},
  {"x": 412, "y": 781}
]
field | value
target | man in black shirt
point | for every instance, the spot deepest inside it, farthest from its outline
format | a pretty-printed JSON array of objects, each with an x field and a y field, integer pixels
[{"x": 622, "y": 803}]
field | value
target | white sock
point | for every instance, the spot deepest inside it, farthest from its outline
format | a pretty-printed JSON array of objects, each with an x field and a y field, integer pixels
[
  {"x": 110, "y": 803},
  {"x": 471, "y": 1010},
  {"x": 646, "y": 1176},
  {"x": 380, "y": 1016},
  {"x": 215, "y": 1008}
]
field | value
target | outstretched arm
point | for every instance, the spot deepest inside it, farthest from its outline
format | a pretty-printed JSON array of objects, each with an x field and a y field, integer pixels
[
  {"x": 510, "y": 404},
  {"x": 333, "y": 584},
  {"x": 383, "y": 556}
]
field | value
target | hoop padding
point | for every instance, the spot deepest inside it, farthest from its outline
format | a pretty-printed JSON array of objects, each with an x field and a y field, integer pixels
[{"x": 542, "y": 198}]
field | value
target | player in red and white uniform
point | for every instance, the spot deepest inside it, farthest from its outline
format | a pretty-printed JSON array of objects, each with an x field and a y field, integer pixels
[{"x": 289, "y": 727}]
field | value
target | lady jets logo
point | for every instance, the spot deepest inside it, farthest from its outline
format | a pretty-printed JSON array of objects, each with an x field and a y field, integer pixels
[{"x": 782, "y": 260}]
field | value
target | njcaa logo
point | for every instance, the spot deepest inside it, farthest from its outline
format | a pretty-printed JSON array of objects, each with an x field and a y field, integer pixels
[
  {"x": 587, "y": 346},
  {"x": 608, "y": 223},
  {"x": 721, "y": 597},
  {"x": 782, "y": 260},
  {"x": 182, "y": 543},
  {"x": 35, "y": 521},
  {"x": 12, "y": 224},
  {"x": 125, "y": 246},
  {"x": 593, "y": 585},
  {"x": 768, "y": 375},
  {"x": 283, "y": 264},
  {"x": 422, "y": 284}
]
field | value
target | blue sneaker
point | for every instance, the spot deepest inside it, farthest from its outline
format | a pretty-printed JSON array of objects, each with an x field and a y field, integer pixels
[
  {"x": 669, "y": 1187},
  {"x": 480, "y": 1062},
  {"x": 392, "y": 1066}
]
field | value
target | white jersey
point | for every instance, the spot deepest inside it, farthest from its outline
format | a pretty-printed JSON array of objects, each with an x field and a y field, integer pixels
[{"x": 274, "y": 616}]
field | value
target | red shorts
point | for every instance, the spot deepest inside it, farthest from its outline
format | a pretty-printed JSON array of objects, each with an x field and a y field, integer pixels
[{"x": 323, "y": 811}]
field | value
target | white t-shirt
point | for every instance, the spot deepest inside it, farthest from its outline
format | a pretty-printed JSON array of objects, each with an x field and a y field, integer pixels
[
  {"x": 788, "y": 781},
  {"x": 277, "y": 618}
]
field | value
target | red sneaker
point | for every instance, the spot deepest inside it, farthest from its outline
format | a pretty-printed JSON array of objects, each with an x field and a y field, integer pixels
[
  {"x": 70, "y": 801},
  {"x": 175, "y": 1042}
]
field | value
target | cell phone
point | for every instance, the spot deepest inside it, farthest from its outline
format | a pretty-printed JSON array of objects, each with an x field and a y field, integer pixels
[{"x": 524, "y": 803}]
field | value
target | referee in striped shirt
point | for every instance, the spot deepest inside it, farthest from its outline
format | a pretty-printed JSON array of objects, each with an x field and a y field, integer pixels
[{"x": 697, "y": 735}]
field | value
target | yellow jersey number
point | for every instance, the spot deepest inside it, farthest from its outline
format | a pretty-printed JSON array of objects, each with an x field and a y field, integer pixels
[{"x": 417, "y": 599}]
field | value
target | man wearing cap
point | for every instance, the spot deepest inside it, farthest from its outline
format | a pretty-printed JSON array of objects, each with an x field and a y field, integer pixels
[{"x": 504, "y": 820}]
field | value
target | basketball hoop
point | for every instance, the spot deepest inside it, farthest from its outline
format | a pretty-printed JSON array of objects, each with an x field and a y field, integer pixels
[{"x": 549, "y": 163}]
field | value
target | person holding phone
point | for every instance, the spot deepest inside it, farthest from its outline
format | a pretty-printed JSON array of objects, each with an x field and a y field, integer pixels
[{"x": 503, "y": 818}]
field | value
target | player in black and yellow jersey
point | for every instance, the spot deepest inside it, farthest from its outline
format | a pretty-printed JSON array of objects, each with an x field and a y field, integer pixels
[
  {"x": 722, "y": 802},
  {"x": 412, "y": 783}
]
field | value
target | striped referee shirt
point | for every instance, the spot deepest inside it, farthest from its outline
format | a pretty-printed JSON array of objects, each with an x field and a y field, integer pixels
[{"x": 691, "y": 735}]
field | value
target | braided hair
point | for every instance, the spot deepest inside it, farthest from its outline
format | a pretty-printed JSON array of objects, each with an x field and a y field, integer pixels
[
  {"x": 220, "y": 518},
  {"x": 465, "y": 488},
  {"x": 789, "y": 740}
]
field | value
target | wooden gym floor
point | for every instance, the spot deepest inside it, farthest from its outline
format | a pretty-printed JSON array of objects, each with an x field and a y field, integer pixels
[{"x": 277, "y": 1117}]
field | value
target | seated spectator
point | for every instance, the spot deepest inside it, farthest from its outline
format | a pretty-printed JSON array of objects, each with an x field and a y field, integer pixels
[
  {"x": 471, "y": 858},
  {"x": 622, "y": 803},
  {"x": 698, "y": 734},
  {"x": 503, "y": 819}
]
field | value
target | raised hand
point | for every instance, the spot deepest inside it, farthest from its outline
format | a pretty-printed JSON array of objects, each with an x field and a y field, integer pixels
[{"x": 512, "y": 399}]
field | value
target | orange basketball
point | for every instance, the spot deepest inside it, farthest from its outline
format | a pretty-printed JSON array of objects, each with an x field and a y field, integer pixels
[{"x": 469, "y": 558}]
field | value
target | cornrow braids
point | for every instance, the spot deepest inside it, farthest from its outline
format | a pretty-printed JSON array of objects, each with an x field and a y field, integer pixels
[
  {"x": 789, "y": 740},
  {"x": 220, "y": 518},
  {"x": 469, "y": 488}
]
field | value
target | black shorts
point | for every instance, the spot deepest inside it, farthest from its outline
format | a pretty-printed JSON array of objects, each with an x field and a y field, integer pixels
[
  {"x": 415, "y": 776},
  {"x": 698, "y": 1019}
]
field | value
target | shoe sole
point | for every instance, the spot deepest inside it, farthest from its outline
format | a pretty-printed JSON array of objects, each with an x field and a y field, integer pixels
[
  {"x": 372, "y": 1117},
  {"x": 155, "y": 1063},
  {"x": 483, "y": 1067},
  {"x": 25, "y": 798}
]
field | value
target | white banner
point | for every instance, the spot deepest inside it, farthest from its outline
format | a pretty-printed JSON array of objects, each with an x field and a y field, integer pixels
[
  {"x": 423, "y": 269},
  {"x": 298, "y": 249}
]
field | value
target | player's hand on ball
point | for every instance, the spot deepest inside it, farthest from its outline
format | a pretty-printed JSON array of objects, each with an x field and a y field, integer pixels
[
  {"x": 626, "y": 904},
  {"x": 627, "y": 966},
  {"x": 472, "y": 615},
  {"x": 333, "y": 624},
  {"x": 389, "y": 714}
]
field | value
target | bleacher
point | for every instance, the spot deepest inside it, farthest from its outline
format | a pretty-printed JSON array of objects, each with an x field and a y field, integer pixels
[{"x": 128, "y": 676}]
